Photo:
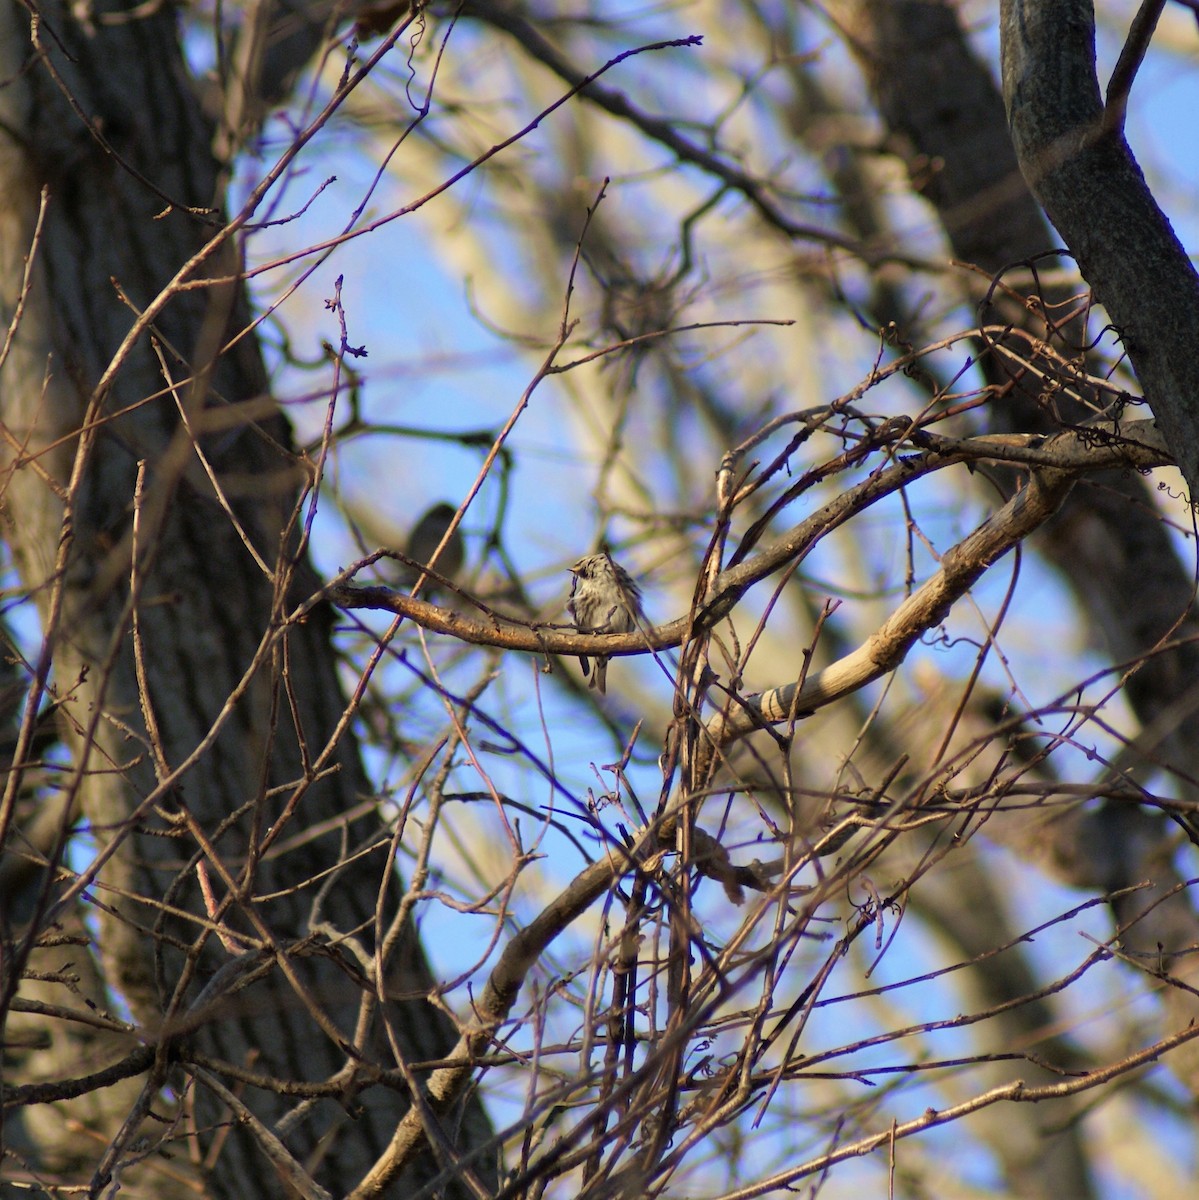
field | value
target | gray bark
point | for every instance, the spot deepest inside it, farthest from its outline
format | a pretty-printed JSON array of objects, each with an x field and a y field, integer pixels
[
  {"x": 116, "y": 219},
  {"x": 1079, "y": 166}
]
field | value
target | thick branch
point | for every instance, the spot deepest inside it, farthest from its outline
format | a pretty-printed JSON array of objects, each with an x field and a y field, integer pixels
[
  {"x": 1082, "y": 171},
  {"x": 961, "y": 568},
  {"x": 491, "y": 1009},
  {"x": 1131, "y": 444}
]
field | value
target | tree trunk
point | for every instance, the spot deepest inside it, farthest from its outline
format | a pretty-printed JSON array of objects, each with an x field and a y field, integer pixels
[{"x": 219, "y": 787}]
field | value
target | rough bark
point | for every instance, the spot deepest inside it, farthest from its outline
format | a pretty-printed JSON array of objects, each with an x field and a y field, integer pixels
[
  {"x": 122, "y": 150},
  {"x": 1073, "y": 153}
]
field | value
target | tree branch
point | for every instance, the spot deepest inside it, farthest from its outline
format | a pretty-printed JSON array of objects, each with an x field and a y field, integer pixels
[{"x": 1133, "y": 444}]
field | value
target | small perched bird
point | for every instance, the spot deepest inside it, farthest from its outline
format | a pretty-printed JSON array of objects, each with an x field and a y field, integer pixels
[
  {"x": 603, "y": 599},
  {"x": 425, "y": 537}
]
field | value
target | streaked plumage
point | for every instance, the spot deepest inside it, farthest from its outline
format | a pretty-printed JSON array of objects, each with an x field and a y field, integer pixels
[{"x": 603, "y": 599}]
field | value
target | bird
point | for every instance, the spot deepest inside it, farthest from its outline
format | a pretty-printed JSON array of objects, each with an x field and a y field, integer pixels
[
  {"x": 424, "y": 539},
  {"x": 603, "y": 599}
]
